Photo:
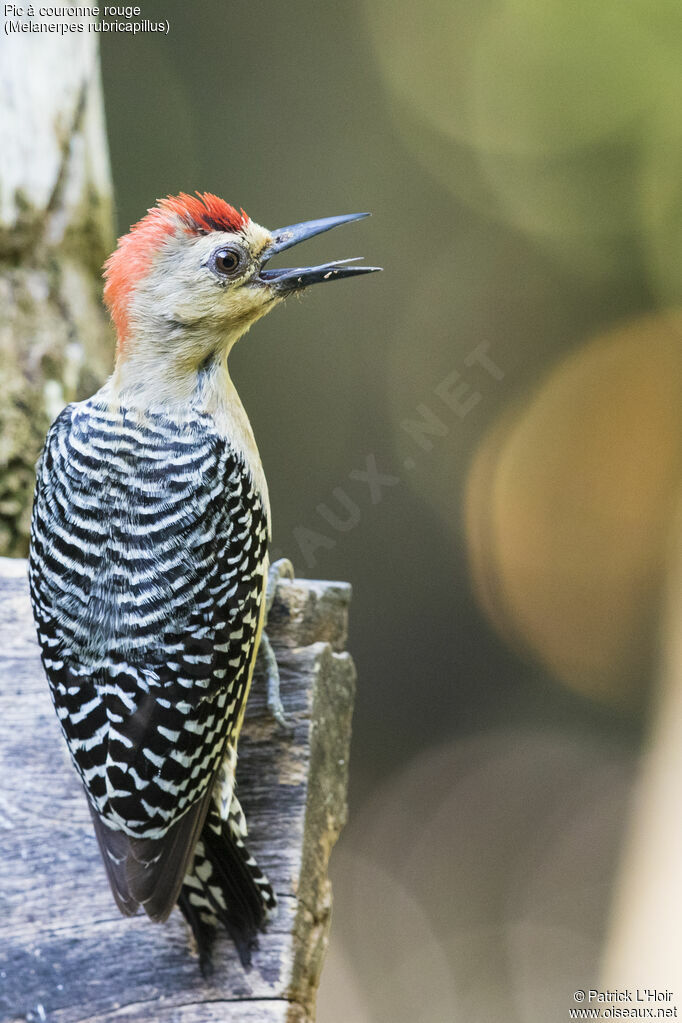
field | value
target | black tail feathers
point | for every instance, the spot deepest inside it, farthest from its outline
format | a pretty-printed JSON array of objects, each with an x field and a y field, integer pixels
[{"x": 225, "y": 886}]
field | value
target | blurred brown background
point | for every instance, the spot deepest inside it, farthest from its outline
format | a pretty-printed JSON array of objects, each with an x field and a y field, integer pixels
[{"x": 517, "y": 372}]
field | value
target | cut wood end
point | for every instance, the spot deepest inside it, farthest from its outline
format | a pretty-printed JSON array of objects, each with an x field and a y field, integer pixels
[{"x": 93, "y": 964}]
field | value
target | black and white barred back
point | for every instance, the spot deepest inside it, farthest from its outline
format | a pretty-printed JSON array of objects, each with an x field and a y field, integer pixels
[{"x": 147, "y": 564}]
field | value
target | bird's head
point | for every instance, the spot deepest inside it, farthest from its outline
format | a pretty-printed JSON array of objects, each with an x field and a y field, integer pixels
[{"x": 192, "y": 276}]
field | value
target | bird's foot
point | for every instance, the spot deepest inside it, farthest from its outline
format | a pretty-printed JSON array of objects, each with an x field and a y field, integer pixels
[
  {"x": 268, "y": 664},
  {"x": 280, "y": 569}
]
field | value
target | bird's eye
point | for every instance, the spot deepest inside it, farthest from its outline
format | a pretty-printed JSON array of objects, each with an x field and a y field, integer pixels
[{"x": 227, "y": 262}]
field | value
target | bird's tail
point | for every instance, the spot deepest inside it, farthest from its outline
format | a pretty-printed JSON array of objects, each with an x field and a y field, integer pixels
[{"x": 225, "y": 886}]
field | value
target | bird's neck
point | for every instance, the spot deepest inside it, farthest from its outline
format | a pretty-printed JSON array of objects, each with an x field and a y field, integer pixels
[
  {"x": 217, "y": 395},
  {"x": 178, "y": 390}
]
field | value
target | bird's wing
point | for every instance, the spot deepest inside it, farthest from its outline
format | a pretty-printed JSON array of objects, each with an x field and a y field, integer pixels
[
  {"x": 147, "y": 565},
  {"x": 150, "y": 872}
]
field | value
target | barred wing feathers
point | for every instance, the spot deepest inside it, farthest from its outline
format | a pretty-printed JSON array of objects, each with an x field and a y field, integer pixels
[{"x": 148, "y": 552}]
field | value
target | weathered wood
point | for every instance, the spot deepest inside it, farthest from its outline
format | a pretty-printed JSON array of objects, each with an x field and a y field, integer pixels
[
  {"x": 56, "y": 228},
  {"x": 66, "y": 954}
]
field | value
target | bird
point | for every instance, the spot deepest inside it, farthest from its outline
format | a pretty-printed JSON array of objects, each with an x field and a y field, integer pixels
[{"x": 149, "y": 570}]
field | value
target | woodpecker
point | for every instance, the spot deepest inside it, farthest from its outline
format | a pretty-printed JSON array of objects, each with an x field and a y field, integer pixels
[{"x": 149, "y": 565}]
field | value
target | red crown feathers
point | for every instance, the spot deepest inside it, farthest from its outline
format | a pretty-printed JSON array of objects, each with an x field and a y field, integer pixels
[{"x": 132, "y": 258}]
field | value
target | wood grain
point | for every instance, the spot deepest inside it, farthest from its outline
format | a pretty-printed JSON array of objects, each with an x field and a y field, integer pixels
[{"x": 66, "y": 955}]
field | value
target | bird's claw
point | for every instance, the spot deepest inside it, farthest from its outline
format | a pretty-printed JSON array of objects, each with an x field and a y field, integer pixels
[{"x": 276, "y": 709}]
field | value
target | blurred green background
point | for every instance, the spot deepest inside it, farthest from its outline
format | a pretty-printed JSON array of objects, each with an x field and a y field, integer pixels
[{"x": 522, "y": 164}]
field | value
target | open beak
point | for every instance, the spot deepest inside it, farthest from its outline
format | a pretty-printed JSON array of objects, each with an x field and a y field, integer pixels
[{"x": 296, "y": 278}]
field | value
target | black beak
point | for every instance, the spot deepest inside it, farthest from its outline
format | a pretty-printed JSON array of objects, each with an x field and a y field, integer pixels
[{"x": 297, "y": 278}]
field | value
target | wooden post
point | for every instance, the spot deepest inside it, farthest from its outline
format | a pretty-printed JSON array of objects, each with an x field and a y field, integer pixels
[
  {"x": 56, "y": 229},
  {"x": 66, "y": 954}
]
